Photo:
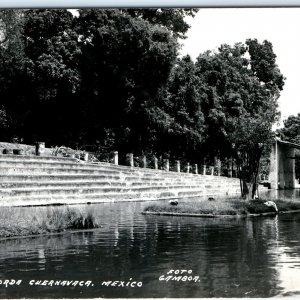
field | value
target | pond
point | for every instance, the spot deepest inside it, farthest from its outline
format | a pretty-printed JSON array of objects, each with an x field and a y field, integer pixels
[{"x": 132, "y": 254}]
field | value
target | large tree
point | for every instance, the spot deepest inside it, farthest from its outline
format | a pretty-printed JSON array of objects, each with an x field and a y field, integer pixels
[
  {"x": 243, "y": 85},
  {"x": 126, "y": 60},
  {"x": 179, "y": 111},
  {"x": 86, "y": 79}
]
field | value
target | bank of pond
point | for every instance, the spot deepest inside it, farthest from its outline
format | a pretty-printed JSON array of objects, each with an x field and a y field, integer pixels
[
  {"x": 31, "y": 221},
  {"x": 35, "y": 221},
  {"x": 224, "y": 208}
]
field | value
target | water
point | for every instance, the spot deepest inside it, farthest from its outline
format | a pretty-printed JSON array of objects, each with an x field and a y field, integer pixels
[{"x": 257, "y": 257}]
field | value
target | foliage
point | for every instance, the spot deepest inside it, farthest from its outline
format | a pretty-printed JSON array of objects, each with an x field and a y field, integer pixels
[
  {"x": 24, "y": 221},
  {"x": 112, "y": 78},
  {"x": 125, "y": 61},
  {"x": 291, "y": 130},
  {"x": 89, "y": 79},
  {"x": 240, "y": 105}
]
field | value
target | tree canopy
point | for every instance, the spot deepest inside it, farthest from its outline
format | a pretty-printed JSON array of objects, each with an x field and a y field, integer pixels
[{"x": 113, "y": 78}]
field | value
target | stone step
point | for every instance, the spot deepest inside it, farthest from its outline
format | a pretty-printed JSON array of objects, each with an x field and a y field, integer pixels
[
  {"x": 30, "y": 172},
  {"x": 39, "y": 182},
  {"x": 71, "y": 184},
  {"x": 102, "y": 197},
  {"x": 36, "y": 158},
  {"x": 68, "y": 177},
  {"x": 88, "y": 190},
  {"x": 105, "y": 190}
]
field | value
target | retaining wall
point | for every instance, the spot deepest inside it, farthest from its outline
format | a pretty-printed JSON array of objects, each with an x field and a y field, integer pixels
[{"x": 39, "y": 180}]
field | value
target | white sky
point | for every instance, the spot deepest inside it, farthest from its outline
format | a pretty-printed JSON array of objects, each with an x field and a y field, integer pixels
[{"x": 281, "y": 26}]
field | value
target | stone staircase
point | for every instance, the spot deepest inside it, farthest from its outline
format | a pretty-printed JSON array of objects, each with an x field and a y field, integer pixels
[{"x": 41, "y": 180}]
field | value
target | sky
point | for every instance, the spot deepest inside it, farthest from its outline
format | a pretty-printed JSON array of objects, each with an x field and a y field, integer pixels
[{"x": 281, "y": 26}]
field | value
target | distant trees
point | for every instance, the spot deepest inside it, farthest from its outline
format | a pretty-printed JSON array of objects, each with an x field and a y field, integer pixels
[
  {"x": 291, "y": 129},
  {"x": 113, "y": 79}
]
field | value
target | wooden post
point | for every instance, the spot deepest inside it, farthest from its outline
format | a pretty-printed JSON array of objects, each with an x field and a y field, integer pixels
[
  {"x": 204, "y": 169},
  {"x": 188, "y": 167},
  {"x": 144, "y": 162},
  {"x": 178, "y": 166},
  {"x": 212, "y": 171},
  {"x": 116, "y": 158},
  {"x": 219, "y": 167}
]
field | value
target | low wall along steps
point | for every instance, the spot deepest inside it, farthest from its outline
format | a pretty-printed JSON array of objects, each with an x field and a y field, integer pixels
[{"x": 44, "y": 180}]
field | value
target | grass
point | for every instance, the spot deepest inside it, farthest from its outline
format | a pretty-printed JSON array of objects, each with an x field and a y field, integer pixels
[
  {"x": 21, "y": 221},
  {"x": 224, "y": 207}
]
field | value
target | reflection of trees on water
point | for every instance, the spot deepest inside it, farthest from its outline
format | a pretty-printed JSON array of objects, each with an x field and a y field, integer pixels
[
  {"x": 231, "y": 256},
  {"x": 290, "y": 234},
  {"x": 234, "y": 258}
]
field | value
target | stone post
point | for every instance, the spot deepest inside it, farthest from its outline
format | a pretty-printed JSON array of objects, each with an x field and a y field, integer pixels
[
  {"x": 178, "y": 166},
  {"x": 188, "y": 167},
  {"x": 196, "y": 169},
  {"x": 204, "y": 169},
  {"x": 155, "y": 163},
  {"x": 234, "y": 169},
  {"x": 166, "y": 165},
  {"x": 212, "y": 171},
  {"x": 116, "y": 158},
  {"x": 129, "y": 158},
  {"x": 86, "y": 156},
  {"x": 229, "y": 167},
  {"x": 39, "y": 148},
  {"x": 144, "y": 162},
  {"x": 219, "y": 167}
]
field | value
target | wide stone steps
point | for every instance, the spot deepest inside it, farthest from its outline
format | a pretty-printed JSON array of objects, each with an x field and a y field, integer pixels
[
  {"x": 34, "y": 164},
  {"x": 32, "y": 180}
]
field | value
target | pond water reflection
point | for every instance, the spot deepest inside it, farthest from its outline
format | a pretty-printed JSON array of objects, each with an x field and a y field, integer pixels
[{"x": 257, "y": 257}]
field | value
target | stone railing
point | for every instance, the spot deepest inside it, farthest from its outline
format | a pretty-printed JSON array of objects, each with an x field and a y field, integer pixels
[{"x": 219, "y": 168}]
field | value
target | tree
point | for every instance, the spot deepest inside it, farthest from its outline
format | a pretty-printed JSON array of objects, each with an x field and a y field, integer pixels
[
  {"x": 172, "y": 19},
  {"x": 125, "y": 61},
  {"x": 98, "y": 74},
  {"x": 241, "y": 104},
  {"x": 291, "y": 129},
  {"x": 181, "y": 102},
  {"x": 40, "y": 74},
  {"x": 11, "y": 55}
]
